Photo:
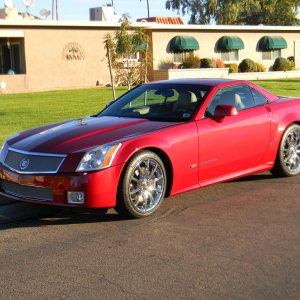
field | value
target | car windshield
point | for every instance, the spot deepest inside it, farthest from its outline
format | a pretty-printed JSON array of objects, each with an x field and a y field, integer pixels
[{"x": 159, "y": 102}]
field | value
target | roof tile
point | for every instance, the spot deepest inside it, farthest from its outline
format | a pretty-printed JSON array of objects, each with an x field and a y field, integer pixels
[{"x": 163, "y": 20}]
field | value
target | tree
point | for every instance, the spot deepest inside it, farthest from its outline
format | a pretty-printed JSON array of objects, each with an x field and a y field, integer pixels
[
  {"x": 270, "y": 13},
  {"x": 249, "y": 12},
  {"x": 201, "y": 11},
  {"x": 120, "y": 47}
]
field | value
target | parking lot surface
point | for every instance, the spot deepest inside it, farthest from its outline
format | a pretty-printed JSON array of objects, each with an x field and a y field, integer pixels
[{"x": 236, "y": 240}]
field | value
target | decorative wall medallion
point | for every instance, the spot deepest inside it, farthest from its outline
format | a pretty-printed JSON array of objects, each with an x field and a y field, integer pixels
[{"x": 73, "y": 51}]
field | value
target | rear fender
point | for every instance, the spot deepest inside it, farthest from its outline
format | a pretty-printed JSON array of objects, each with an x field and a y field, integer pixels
[{"x": 279, "y": 125}]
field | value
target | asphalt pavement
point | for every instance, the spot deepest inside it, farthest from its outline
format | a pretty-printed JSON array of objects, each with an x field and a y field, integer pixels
[{"x": 236, "y": 240}]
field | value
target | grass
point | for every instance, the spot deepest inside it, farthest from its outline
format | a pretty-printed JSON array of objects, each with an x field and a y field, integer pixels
[
  {"x": 282, "y": 87},
  {"x": 23, "y": 111}
]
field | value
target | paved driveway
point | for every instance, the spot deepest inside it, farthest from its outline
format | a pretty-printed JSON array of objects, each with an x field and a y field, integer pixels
[{"x": 237, "y": 240}]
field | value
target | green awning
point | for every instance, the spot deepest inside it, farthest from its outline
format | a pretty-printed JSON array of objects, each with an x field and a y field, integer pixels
[
  {"x": 272, "y": 42},
  {"x": 183, "y": 43},
  {"x": 228, "y": 43}
]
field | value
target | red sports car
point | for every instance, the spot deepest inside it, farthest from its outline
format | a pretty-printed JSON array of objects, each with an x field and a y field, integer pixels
[{"x": 157, "y": 140}]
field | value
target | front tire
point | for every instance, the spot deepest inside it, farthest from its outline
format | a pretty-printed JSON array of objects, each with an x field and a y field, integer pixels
[
  {"x": 142, "y": 186},
  {"x": 288, "y": 157}
]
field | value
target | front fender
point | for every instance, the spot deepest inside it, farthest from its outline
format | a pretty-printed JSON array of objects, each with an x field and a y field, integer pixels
[{"x": 178, "y": 143}]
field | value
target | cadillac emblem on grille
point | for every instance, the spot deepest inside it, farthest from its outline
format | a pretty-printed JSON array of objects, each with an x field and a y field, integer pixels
[
  {"x": 31, "y": 163},
  {"x": 24, "y": 163}
]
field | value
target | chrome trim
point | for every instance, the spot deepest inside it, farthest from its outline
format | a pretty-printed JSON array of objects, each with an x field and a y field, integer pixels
[
  {"x": 63, "y": 156},
  {"x": 34, "y": 173},
  {"x": 37, "y": 153}
]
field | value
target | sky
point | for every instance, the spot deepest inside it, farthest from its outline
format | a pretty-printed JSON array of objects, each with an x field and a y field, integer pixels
[{"x": 79, "y": 9}]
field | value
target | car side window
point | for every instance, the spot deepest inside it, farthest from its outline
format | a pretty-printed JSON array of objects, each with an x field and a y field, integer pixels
[
  {"x": 259, "y": 99},
  {"x": 239, "y": 96}
]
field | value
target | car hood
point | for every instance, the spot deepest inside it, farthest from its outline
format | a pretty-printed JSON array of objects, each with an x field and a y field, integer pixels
[{"x": 81, "y": 134}]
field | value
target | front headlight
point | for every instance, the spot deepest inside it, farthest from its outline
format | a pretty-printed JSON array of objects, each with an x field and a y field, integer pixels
[{"x": 98, "y": 158}]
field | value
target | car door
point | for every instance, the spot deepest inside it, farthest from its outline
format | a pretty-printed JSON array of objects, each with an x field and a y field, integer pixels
[{"x": 237, "y": 143}]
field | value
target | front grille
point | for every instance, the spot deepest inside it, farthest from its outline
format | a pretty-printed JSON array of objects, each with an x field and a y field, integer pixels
[
  {"x": 32, "y": 163},
  {"x": 26, "y": 192}
]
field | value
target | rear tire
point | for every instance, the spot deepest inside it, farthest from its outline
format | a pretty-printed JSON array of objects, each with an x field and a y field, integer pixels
[
  {"x": 288, "y": 157},
  {"x": 142, "y": 186}
]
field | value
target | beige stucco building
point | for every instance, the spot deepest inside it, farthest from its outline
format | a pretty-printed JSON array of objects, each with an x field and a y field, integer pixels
[{"x": 37, "y": 55}]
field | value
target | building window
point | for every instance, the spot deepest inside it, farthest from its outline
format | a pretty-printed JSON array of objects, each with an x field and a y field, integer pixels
[
  {"x": 229, "y": 47},
  {"x": 271, "y": 46},
  {"x": 12, "y": 59},
  {"x": 178, "y": 58},
  {"x": 271, "y": 55},
  {"x": 232, "y": 55}
]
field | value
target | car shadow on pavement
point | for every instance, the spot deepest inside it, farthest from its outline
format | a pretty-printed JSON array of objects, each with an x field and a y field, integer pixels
[
  {"x": 42, "y": 215},
  {"x": 255, "y": 177},
  {"x": 20, "y": 214}
]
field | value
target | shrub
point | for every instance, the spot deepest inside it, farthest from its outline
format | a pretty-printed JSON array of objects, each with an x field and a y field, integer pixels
[
  {"x": 207, "y": 63},
  {"x": 292, "y": 65},
  {"x": 247, "y": 65},
  {"x": 281, "y": 64},
  {"x": 260, "y": 67},
  {"x": 219, "y": 63},
  {"x": 233, "y": 68},
  {"x": 191, "y": 62},
  {"x": 165, "y": 65}
]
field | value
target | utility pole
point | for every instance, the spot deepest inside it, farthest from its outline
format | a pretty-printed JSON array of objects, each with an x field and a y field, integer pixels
[
  {"x": 52, "y": 9},
  {"x": 56, "y": 9},
  {"x": 148, "y": 10}
]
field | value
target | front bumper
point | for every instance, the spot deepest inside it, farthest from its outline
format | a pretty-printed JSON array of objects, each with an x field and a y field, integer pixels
[{"x": 99, "y": 188}]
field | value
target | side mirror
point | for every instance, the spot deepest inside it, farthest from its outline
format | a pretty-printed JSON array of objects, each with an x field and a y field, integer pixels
[
  {"x": 223, "y": 111},
  {"x": 110, "y": 103}
]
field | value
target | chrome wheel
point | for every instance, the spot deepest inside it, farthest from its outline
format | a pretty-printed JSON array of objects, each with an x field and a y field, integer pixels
[
  {"x": 142, "y": 186},
  {"x": 146, "y": 186},
  {"x": 291, "y": 150},
  {"x": 287, "y": 162}
]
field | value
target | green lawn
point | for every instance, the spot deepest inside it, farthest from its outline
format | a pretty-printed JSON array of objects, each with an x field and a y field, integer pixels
[
  {"x": 22, "y": 111},
  {"x": 282, "y": 87}
]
